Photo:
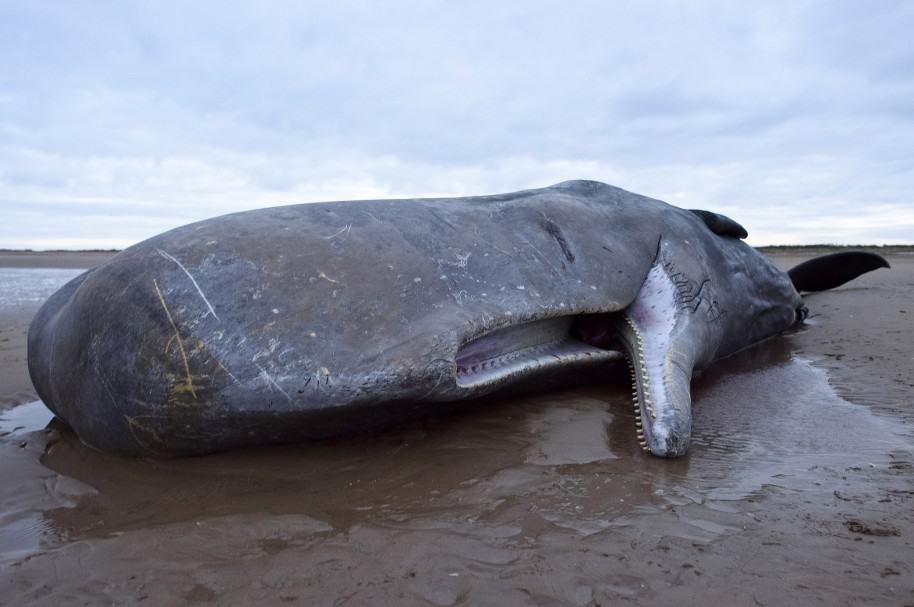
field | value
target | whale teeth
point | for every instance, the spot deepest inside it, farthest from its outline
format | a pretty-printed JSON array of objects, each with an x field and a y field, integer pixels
[{"x": 641, "y": 384}]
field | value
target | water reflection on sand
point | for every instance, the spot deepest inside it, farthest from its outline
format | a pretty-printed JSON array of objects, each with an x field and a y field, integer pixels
[
  {"x": 21, "y": 286},
  {"x": 569, "y": 457}
]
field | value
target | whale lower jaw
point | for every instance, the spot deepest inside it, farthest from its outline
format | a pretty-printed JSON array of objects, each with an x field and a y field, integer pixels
[
  {"x": 659, "y": 336},
  {"x": 655, "y": 334}
]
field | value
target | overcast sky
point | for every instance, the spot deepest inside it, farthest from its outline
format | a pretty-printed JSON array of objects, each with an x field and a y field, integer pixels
[{"x": 119, "y": 120}]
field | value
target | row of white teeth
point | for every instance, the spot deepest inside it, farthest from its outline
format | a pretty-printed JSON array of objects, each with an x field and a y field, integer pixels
[{"x": 645, "y": 381}]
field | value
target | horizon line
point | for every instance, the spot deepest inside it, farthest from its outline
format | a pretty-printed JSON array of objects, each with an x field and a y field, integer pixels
[{"x": 766, "y": 246}]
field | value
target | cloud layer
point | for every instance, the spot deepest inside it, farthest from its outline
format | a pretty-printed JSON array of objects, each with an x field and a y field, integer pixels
[{"x": 120, "y": 120}]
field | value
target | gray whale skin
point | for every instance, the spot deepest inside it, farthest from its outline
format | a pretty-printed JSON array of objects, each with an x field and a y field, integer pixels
[{"x": 315, "y": 320}]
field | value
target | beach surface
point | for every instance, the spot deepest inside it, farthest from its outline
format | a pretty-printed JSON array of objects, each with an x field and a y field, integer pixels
[{"x": 799, "y": 488}]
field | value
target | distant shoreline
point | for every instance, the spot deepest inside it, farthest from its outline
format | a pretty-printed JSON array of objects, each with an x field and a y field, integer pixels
[
  {"x": 53, "y": 259},
  {"x": 24, "y": 258},
  {"x": 799, "y": 249},
  {"x": 768, "y": 248},
  {"x": 43, "y": 251}
]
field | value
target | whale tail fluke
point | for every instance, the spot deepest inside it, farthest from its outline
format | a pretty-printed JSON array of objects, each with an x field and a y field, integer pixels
[{"x": 833, "y": 270}]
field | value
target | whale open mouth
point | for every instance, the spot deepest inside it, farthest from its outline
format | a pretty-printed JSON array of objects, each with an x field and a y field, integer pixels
[
  {"x": 521, "y": 350},
  {"x": 647, "y": 334}
]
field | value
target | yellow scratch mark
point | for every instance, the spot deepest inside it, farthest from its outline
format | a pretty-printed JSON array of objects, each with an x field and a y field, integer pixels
[
  {"x": 190, "y": 383},
  {"x": 168, "y": 344},
  {"x": 227, "y": 372}
]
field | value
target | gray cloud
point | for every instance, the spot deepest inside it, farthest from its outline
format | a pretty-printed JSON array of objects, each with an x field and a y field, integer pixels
[{"x": 120, "y": 120}]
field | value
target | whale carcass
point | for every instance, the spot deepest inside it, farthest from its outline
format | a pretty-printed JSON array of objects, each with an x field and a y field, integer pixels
[{"x": 315, "y": 320}]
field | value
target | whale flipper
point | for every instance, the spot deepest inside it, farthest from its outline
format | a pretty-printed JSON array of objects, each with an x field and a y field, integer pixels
[{"x": 833, "y": 270}]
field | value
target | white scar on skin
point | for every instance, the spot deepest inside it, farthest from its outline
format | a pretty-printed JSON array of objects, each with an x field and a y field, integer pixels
[
  {"x": 272, "y": 382},
  {"x": 345, "y": 229},
  {"x": 196, "y": 286}
]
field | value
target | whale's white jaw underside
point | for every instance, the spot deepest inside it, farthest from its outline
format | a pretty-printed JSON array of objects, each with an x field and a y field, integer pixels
[
  {"x": 519, "y": 351},
  {"x": 646, "y": 337}
]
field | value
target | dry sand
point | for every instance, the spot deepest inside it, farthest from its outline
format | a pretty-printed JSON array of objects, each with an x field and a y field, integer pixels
[{"x": 799, "y": 490}]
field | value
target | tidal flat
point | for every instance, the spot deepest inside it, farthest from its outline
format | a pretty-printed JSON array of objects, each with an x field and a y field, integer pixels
[{"x": 799, "y": 488}]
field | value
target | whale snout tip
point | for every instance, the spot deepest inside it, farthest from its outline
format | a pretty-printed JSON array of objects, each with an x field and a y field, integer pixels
[{"x": 669, "y": 440}]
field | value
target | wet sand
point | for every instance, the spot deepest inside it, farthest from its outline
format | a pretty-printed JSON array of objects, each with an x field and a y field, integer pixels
[
  {"x": 799, "y": 490},
  {"x": 53, "y": 259}
]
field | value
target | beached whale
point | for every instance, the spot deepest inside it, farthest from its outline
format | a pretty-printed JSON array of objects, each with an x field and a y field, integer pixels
[{"x": 315, "y": 320}]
